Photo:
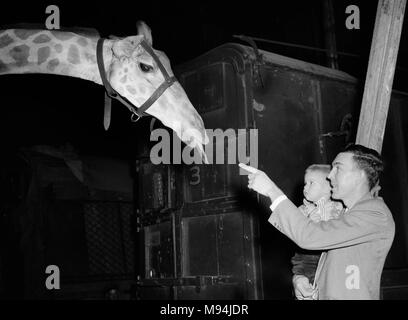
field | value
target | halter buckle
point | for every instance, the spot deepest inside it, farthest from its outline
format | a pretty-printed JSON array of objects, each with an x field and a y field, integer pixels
[{"x": 132, "y": 117}]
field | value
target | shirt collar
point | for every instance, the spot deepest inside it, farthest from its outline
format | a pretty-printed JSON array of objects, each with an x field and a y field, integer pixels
[{"x": 321, "y": 201}]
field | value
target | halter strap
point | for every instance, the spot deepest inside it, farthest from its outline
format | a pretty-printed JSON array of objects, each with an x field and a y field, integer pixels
[{"x": 139, "y": 112}]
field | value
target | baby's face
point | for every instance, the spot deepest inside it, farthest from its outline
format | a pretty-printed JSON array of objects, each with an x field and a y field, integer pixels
[{"x": 316, "y": 186}]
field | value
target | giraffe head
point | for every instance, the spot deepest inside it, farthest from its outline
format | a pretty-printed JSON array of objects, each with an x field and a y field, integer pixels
[{"x": 135, "y": 75}]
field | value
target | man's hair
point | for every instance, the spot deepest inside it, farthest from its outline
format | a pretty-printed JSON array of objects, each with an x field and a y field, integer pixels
[
  {"x": 323, "y": 168},
  {"x": 368, "y": 160}
]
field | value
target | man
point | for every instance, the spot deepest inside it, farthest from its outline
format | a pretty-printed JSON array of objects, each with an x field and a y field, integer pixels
[{"x": 357, "y": 243}]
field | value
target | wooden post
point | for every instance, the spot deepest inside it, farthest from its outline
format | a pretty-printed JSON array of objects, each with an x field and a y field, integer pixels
[{"x": 380, "y": 73}]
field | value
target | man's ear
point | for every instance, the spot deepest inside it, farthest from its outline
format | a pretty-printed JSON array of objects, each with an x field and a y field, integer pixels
[
  {"x": 375, "y": 190},
  {"x": 363, "y": 177},
  {"x": 126, "y": 46}
]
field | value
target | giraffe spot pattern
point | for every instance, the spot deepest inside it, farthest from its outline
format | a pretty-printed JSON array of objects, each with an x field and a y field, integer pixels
[
  {"x": 73, "y": 54},
  {"x": 65, "y": 70},
  {"x": 131, "y": 89},
  {"x": 43, "y": 54},
  {"x": 90, "y": 57},
  {"x": 3, "y": 67},
  {"x": 23, "y": 34},
  {"x": 185, "y": 105},
  {"x": 5, "y": 41},
  {"x": 42, "y": 38},
  {"x": 163, "y": 102},
  {"x": 62, "y": 35},
  {"x": 58, "y": 48},
  {"x": 121, "y": 90},
  {"x": 52, "y": 64},
  {"x": 178, "y": 92},
  {"x": 123, "y": 79},
  {"x": 142, "y": 89},
  {"x": 20, "y": 55},
  {"x": 82, "y": 42}
]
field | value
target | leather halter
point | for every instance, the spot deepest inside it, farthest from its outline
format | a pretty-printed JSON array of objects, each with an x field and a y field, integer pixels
[{"x": 138, "y": 111}]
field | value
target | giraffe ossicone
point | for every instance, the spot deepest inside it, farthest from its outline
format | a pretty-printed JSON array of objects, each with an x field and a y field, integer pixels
[{"x": 130, "y": 69}]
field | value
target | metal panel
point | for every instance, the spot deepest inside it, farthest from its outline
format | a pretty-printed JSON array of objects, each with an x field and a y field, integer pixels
[
  {"x": 157, "y": 186},
  {"x": 338, "y": 113},
  {"x": 227, "y": 247},
  {"x": 213, "y": 250},
  {"x": 215, "y": 90},
  {"x": 206, "y": 87},
  {"x": 204, "y": 182},
  {"x": 286, "y": 119},
  {"x": 158, "y": 249},
  {"x": 200, "y": 257},
  {"x": 221, "y": 253}
]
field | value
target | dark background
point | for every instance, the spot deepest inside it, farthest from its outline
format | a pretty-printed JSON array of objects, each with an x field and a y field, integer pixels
[
  {"x": 45, "y": 109},
  {"x": 55, "y": 110}
]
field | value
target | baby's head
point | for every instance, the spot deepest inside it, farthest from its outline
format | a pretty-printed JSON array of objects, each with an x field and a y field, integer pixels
[{"x": 316, "y": 184}]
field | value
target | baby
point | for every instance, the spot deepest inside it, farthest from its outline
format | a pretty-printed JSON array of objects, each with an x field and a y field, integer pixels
[{"x": 317, "y": 206}]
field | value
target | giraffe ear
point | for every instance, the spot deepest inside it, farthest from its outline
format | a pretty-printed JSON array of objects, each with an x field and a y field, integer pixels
[
  {"x": 126, "y": 46},
  {"x": 144, "y": 30}
]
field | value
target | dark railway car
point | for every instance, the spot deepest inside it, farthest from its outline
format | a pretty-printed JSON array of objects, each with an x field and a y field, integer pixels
[{"x": 202, "y": 235}]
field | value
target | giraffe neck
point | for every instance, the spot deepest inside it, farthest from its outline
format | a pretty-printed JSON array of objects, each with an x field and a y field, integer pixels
[{"x": 52, "y": 52}]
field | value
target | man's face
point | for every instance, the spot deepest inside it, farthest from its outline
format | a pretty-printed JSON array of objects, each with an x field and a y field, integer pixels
[{"x": 344, "y": 177}]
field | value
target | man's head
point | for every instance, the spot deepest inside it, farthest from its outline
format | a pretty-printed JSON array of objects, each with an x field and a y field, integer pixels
[
  {"x": 355, "y": 171},
  {"x": 316, "y": 184}
]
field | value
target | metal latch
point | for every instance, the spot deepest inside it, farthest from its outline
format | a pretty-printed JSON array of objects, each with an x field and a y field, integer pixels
[
  {"x": 258, "y": 59},
  {"x": 345, "y": 129}
]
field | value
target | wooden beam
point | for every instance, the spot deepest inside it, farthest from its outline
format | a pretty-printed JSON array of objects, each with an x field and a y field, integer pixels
[{"x": 380, "y": 73}]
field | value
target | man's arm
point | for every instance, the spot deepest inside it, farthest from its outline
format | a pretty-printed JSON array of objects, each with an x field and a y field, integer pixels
[{"x": 357, "y": 226}]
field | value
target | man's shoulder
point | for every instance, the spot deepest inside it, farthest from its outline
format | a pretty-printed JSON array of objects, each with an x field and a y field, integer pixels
[
  {"x": 371, "y": 204},
  {"x": 373, "y": 208}
]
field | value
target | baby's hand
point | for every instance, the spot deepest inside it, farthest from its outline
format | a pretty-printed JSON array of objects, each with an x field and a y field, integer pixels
[{"x": 303, "y": 289}]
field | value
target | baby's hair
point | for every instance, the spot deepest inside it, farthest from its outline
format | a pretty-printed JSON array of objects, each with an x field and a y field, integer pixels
[{"x": 323, "y": 168}]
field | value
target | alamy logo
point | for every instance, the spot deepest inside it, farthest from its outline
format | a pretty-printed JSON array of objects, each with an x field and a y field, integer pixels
[
  {"x": 353, "y": 20},
  {"x": 53, "y": 280},
  {"x": 353, "y": 280},
  {"x": 53, "y": 20},
  {"x": 224, "y": 147}
]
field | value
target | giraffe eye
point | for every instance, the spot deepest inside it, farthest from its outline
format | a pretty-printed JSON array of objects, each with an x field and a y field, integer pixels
[{"x": 145, "y": 67}]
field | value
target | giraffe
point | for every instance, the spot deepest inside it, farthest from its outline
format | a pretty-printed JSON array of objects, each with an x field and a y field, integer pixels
[{"x": 130, "y": 70}]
